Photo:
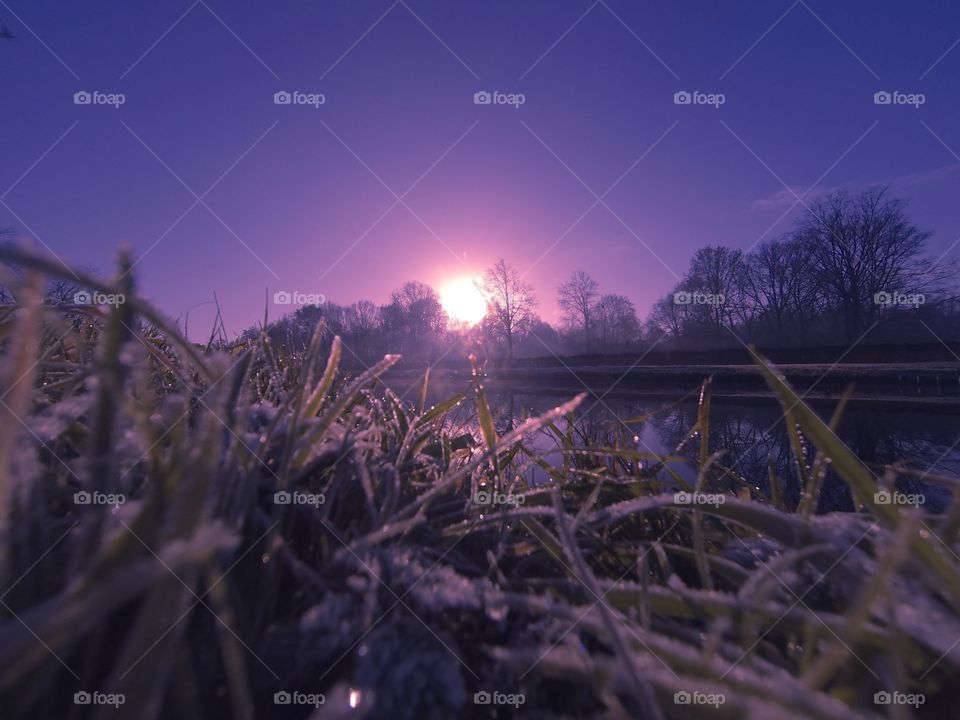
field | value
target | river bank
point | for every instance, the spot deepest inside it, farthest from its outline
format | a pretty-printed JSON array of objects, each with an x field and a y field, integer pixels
[{"x": 936, "y": 383}]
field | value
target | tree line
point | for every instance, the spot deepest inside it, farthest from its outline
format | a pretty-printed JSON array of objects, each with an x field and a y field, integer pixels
[
  {"x": 415, "y": 324},
  {"x": 854, "y": 265},
  {"x": 854, "y": 268}
]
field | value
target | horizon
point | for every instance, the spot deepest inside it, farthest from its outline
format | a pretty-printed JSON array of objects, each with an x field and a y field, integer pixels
[{"x": 312, "y": 197}]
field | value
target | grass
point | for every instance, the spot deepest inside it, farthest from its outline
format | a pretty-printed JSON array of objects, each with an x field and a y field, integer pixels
[{"x": 385, "y": 587}]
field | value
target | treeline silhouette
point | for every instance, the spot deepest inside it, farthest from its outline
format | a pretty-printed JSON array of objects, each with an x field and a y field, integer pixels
[
  {"x": 853, "y": 272},
  {"x": 854, "y": 269}
]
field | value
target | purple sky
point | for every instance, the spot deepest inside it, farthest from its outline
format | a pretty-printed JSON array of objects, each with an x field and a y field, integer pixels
[{"x": 298, "y": 190}]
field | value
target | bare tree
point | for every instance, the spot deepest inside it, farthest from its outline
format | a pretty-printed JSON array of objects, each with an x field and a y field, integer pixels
[
  {"x": 61, "y": 292},
  {"x": 360, "y": 328},
  {"x": 361, "y": 317},
  {"x": 713, "y": 286},
  {"x": 619, "y": 326},
  {"x": 577, "y": 297},
  {"x": 668, "y": 319},
  {"x": 510, "y": 303},
  {"x": 418, "y": 316},
  {"x": 780, "y": 292},
  {"x": 862, "y": 246}
]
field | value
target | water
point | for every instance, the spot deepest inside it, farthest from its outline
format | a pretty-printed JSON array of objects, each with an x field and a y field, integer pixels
[{"x": 922, "y": 438}]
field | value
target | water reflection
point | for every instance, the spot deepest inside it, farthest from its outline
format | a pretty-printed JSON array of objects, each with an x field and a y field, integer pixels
[{"x": 752, "y": 433}]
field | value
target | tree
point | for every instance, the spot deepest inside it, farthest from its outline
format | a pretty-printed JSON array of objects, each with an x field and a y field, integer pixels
[
  {"x": 861, "y": 246},
  {"x": 412, "y": 292},
  {"x": 360, "y": 326},
  {"x": 541, "y": 339},
  {"x": 619, "y": 326},
  {"x": 510, "y": 303},
  {"x": 668, "y": 319},
  {"x": 577, "y": 297},
  {"x": 780, "y": 292},
  {"x": 361, "y": 317},
  {"x": 713, "y": 284},
  {"x": 418, "y": 316}
]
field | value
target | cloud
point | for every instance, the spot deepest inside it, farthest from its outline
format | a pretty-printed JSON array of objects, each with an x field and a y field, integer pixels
[
  {"x": 782, "y": 199},
  {"x": 787, "y": 197},
  {"x": 931, "y": 176}
]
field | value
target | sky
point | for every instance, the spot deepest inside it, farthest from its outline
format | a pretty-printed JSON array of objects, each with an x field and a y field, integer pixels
[{"x": 386, "y": 166}]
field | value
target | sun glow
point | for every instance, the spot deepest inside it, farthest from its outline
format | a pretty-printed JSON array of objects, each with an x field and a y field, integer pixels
[{"x": 463, "y": 300}]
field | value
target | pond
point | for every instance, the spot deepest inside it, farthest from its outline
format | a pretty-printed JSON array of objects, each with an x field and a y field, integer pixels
[{"x": 922, "y": 438}]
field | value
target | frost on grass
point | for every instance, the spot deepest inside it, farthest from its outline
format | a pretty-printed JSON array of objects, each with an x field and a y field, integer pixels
[{"x": 393, "y": 594}]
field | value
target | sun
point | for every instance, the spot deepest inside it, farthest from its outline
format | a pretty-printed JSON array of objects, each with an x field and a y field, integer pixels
[{"x": 463, "y": 300}]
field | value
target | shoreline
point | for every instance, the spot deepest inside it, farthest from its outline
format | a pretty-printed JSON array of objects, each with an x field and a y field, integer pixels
[{"x": 933, "y": 385}]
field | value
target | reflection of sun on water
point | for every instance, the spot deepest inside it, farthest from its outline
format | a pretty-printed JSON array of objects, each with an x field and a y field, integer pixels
[{"x": 463, "y": 300}]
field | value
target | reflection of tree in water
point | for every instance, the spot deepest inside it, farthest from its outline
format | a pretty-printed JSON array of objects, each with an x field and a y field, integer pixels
[
  {"x": 750, "y": 438},
  {"x": 600, "y": 428},
  {"x": 880, "y": 438},
  {"x": 597, "y": 425},
  {"x": 752, "y": 435},
  {"x": 874, "y": 435},
  {"x": 756, "y": 434}
]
